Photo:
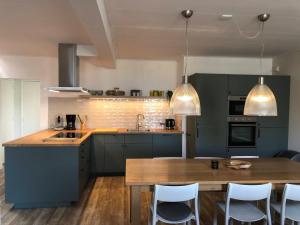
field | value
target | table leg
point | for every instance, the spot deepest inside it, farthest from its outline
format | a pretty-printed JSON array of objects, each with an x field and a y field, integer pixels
[{"x": 135, "y": 205}]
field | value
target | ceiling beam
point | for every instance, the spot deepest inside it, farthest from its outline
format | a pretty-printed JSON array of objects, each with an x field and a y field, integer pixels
[{"x": 92, "y": 15}]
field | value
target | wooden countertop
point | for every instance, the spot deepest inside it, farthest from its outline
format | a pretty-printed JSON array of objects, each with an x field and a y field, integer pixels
[{"x": 38, "y": 139}]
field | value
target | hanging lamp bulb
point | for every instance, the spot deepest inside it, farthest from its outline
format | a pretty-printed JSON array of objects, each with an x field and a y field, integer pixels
[
  {"x": 261, "y": 100},
  {"x": 185, "y": 100}
]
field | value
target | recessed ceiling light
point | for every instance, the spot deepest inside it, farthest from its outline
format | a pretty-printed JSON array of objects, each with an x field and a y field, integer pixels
[{"x": 226, "y": 16}]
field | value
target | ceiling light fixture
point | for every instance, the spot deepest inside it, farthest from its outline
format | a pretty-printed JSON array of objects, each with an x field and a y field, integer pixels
[
  {"x": 185, "y": 100},
  {"x": 261, "y": 100}
]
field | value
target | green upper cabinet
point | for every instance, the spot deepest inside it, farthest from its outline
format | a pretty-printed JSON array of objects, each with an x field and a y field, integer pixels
[
  {"x": 280, "y": 85},
  {"x": 240, "y": 85},
  {"x": 213, "y": 93}
]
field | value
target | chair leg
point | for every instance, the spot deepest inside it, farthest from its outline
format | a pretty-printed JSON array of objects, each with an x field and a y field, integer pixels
[
  {"x": 215, "y": 221},
  {"x": 282, "y": 220}
]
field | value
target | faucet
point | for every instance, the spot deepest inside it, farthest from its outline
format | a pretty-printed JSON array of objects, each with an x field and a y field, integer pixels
[{"x": 139, "y": 121}]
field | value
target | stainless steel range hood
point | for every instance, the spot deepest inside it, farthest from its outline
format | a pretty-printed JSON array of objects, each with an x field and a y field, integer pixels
[{"x": 68, "y": 70}]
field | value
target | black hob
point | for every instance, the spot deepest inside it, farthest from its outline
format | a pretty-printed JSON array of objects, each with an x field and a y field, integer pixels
[{"x": 68, "y": 135}]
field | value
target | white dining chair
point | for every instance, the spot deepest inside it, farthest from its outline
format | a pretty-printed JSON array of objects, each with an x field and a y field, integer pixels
[
  {"x": 240, "y": 205},
  {"x": 289, "y": 207},
  {"x": 170, "y": 204},
  {"x": 216, "y": 158},
  {"x": 245, "y": 157}
]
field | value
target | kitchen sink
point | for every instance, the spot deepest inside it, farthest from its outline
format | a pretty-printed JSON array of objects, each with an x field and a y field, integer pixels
[{"x": 138, "y": 130}]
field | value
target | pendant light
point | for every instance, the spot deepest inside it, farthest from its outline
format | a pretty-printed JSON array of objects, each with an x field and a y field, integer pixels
[
  {"x": 185, "y": 100},
  {"x": 261, "y": 100}
]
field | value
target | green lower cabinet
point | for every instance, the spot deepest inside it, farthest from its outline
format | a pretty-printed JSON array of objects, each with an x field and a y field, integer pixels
[
  {"x": 136, "y": 151},
  {"x": 97, "y": 154},
  {"x": 241, "y": 152},
  {"x": 167, "y": 145},
  {"x": 271, "y": 140},
  {"x": 114, "y": 158}
]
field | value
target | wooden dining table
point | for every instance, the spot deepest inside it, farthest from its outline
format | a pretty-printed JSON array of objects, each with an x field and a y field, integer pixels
[{"x": 143, "y": 174}]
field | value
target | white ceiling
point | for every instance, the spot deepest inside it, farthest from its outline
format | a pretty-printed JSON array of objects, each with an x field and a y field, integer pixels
[
  {"x": 35, "y": 27},
  {"x": 151, "y": 29},
  {"x": 155, "y": 28}
]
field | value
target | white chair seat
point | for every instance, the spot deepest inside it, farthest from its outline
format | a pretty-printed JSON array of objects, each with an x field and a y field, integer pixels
[
  {"x": 243, "y": 211},
  {"x": 292, "y": 210}
]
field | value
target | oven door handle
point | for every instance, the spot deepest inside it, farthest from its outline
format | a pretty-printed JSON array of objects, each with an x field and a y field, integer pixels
[{"x": 242, "y": 125}]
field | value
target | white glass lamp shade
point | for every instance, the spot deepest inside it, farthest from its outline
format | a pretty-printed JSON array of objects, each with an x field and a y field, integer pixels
[
  {"x": 185, "y": 101},
  {"x": 260, "y": 101}
]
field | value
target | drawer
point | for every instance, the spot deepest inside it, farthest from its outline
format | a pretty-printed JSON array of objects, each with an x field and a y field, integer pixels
[
  {"x": 114, "y": 139},
  {"x": 138, "y": 138}
]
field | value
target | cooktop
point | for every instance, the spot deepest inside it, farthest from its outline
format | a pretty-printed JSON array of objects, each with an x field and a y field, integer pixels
[{"x": 66, "y": 136}]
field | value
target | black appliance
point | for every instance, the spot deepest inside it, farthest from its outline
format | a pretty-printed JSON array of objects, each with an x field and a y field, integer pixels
[
  {"x": 170, "y": 124},
  {"x": 68, "y": 135},
  {"x": 236, "y": 105},
  {"x": 242, "y": 132},
  {"x": 71, "y": 122}
]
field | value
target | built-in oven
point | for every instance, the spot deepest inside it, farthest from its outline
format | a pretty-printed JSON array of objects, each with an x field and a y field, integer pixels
[
  {"x": 236, "y": 105},
  {"x": 242, "y": 132}
]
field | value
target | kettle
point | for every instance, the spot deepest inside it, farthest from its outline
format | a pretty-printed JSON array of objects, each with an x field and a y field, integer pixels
[{"x": 170, "y": 124}]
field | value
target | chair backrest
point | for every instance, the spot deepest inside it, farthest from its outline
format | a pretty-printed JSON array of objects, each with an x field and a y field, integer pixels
[
  {"x": 208, "y": 158},
  {"x": 168, "y": 158},
  {"x": 249, "y": 192},
  {"x": 296, "y": 158},
  {"x": 176, "y": 193},
  {"x": 291, "y": 192},
  {"x": 245, "y": 157}
]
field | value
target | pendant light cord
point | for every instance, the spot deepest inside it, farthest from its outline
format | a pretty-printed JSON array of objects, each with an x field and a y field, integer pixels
[
  {"x": 187, "y": 50},
  {"x": 262, "y": 50},
  {"x": 244, "y": 34}
]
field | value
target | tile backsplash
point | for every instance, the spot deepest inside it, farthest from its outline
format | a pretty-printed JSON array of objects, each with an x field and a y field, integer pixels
[{"x": 115, "y": 113}]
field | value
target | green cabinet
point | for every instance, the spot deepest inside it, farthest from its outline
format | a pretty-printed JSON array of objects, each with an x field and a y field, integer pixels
[
  {"x": 84, "y": 163},
  {"x": 109, "y": 152},
  {"x": 44, "y": 176},
  {"x": 241, "y": 152},
  {"x": 240, "y": 85},
  {"x": 167, "y": 145},
  {"x": 114, "y": 158},
  {"x": 138, "y": 146},
  {"x": 97, "y": 154},
  {"x": 271, "y": 140},
  {"x": 206, "y": 134},
  {"x": 280, "y": 85},
  {"x": 213, "y": 93}
]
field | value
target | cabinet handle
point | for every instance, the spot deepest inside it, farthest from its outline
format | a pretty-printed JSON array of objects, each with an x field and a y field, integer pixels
[{"x": 197, "y": 132}]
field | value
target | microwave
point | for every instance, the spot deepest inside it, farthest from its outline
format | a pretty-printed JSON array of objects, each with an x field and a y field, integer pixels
[{"x": 236, "y": 105}]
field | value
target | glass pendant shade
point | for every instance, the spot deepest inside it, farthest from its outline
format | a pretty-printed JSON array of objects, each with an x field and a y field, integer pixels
[
  {"x": 185, "y": 101},
  {"x": 260, "y": 101}
]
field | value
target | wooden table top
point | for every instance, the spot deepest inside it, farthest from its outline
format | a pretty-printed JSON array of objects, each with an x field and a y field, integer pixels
[{"x": 147, "y": 172}]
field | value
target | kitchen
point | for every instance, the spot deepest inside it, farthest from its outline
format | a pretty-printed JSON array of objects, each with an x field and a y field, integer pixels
[{"x": 74, "y": 129}]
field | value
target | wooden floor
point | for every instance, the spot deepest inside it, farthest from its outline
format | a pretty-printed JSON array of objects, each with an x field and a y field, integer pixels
[{"x": 105, "y": 202}]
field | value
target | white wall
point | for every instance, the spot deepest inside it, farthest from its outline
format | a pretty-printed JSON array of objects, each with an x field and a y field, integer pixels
[
  {"x": 288, "y": 64},
  {"x": 228, "y": 65},
  {"x": 131, "y": 74},
  {"x": 43, "y": 69}
]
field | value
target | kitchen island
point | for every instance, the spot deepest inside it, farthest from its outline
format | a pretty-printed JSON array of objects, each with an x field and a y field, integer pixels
[{"x": 40, "y": 172}]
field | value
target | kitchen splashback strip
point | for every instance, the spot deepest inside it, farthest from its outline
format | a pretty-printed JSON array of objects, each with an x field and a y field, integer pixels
[{"x": 114, "y": 113}]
